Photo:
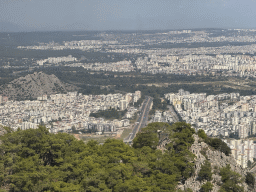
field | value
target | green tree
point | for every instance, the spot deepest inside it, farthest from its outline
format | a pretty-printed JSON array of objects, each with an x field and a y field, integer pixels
[
  {"x": 220, "y": 145},
  {"x": 136, "y": 184},
  {"x": 61, "y": 186},
  {"x": 109, "y": 114},
  {"x": 202, "y": 134},
  {"x": 73, "y": 128},
  {"x": 205, "y": 172},
  {"x": 8, "y": 129},
  {"x": 216, "y": 143},
  {"x": 250, "y": 179},
  {"x": 249, "y": 164},
  {"x": 231, "y": 180},
  {"x": 146, "y": 138},
  {"x": 207, "y": 187}
]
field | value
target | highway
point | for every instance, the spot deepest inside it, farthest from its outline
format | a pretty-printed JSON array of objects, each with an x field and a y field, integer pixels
[
  {"x": 142, "y": 120},
  {"x": 174, "y": 115}
]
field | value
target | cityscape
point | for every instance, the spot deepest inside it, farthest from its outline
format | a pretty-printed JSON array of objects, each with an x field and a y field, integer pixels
[
  {"x": 184, "y": 52},
  {"x": 226, "y": 115},
  {"x": 61, "y": 112},
  {"x": 127, "y": 96}
]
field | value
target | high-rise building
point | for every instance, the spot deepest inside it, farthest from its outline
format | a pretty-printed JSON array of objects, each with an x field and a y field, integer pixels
[
  {"x": 243, "y": 131},
  {"x": 245, "y": 107},
  {"x": 44, "y": 97},
  {"x": 123, "y": 105},
  {"x": 243, "y": 151},
  {"x": 138, "y": 93},
  {"x": 128, "y": 97},
  {"x": 181, "y": 92},
  {"x": 253, "y": 128}
]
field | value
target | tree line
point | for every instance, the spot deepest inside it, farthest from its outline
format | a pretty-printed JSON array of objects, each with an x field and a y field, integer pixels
[
  {"x": 36, "y": 160},
  {"x": 109, "y": 114}
]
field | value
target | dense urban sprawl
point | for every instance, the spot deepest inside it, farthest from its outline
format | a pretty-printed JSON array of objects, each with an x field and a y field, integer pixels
[
  {"x": 219, "y": 115},
  {"x": 61, "y": 112},
  {"x": 226, "y": 59}
]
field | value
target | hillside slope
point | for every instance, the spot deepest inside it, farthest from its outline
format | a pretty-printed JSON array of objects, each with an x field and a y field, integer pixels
[
  {"x": 218, "y": 160},
  {"x": 33, "y": 85}
]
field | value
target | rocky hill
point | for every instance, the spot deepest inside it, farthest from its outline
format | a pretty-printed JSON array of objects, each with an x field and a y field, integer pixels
[
  {"x": 33, "y": 85},
  {"x": 217, "y": 160}
]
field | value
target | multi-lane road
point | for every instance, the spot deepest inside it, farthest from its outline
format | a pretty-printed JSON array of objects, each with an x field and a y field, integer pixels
[
  {"x": 142, "y": 120},
  {"x": 174, "y": 114}
]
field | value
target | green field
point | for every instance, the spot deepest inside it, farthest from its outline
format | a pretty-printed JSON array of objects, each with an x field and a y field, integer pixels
[{"x": 125, "y": 133}]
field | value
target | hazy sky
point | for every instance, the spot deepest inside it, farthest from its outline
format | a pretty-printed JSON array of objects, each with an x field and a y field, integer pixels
[{"x": 128, "y": 14}]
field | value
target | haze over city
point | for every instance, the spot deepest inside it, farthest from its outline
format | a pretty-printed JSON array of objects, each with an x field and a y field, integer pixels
[{"x": 52, "y": 15}]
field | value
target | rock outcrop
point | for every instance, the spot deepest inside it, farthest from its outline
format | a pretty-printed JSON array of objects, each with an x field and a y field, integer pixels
[{"x": 217, "y": 159}]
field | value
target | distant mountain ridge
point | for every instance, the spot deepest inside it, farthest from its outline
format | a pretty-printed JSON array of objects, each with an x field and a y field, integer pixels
[{"x": 34, "y": 85}]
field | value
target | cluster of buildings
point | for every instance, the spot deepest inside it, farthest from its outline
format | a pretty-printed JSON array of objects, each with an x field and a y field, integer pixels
[
  {"x": 168, "y": 116},
  {"x": 3, "y": 99},
  {"x": 163, "y": 56},
  {"x": 120, "y": 66},
  {"x": 242, "y": 150},
  {"x": 229, "y": 115},
  {"x": 61, "y": 112},
  {"x": 82, "y": 45},
  {"x": 109, "y": 40},
  {"x": 206, "y": 37},
  {"x": 56, "y": 60},
  {"x": 226, "y": 65},
  {"x": 165, "y": 116}
]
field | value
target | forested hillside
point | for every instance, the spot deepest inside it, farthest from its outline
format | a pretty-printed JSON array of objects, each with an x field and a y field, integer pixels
[{"x": 36, "y": 160}]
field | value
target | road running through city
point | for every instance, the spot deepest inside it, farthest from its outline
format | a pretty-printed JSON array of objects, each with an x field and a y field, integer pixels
[{"x": 142, "y": 120}]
